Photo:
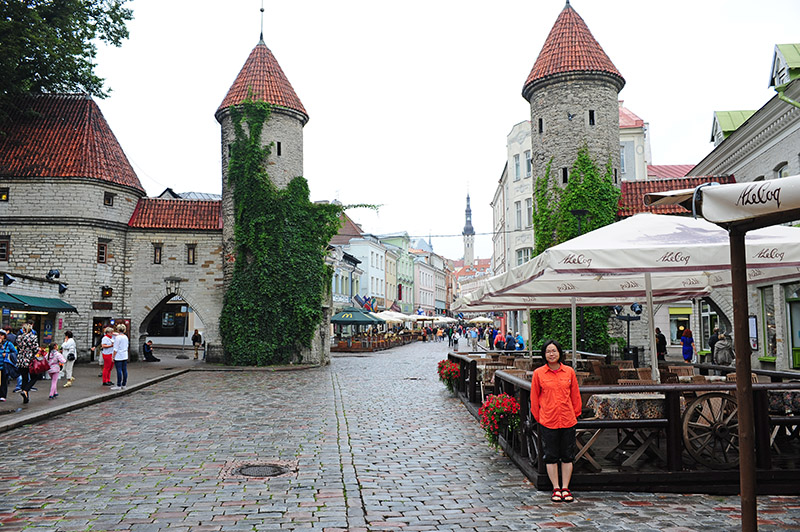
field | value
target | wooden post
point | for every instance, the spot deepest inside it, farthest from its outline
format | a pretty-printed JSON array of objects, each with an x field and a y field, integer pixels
[
  {"x": 672, "y": 411},
  {"x": 744, "y": 386}
]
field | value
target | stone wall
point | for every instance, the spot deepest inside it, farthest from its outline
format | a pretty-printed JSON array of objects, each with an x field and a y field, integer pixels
[
  {"x": 564, "y": 104},
  {"x": 200, "y": 285}
]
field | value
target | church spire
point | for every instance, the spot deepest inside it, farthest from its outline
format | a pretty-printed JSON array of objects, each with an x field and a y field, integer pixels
[{"x": 468, "y": 229}]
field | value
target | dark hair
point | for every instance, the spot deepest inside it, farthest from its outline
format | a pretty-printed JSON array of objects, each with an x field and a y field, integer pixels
[
  {"x": 68, "y": 333},
  {"x": 53, "y": 346},
  {"x": 558, "y": 346}
]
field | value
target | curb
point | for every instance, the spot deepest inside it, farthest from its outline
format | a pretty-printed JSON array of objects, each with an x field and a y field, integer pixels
[{"x": 75, "y": 405}]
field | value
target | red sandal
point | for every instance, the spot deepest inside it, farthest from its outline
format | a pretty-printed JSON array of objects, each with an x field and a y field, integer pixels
[
  {"x": 566, "y": 496},
  {"x": 556, "y": 496}
]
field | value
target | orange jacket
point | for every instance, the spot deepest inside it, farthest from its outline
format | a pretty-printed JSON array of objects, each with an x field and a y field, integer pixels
[{"x": 555, "y": 398}]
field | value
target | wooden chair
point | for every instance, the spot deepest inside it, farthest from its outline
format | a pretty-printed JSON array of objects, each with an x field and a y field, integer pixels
[
  {"x": 507, "y": 360},
  {"x": 523, "y": 363},
  {"x": 626, "y": 364},
  {"x": 667, "y": 377},
  {"x": 609, "y": 373},
  {"x": 635, "y": 382},
  {"x": 594, "y": 367},
  {"x": 644, "y": 373},
  {"x": 487, "y": 383},
  {"x": 686, "y": 370},
  {"x": 581, "y": 376},
  {"x": 731, "y": 377}
]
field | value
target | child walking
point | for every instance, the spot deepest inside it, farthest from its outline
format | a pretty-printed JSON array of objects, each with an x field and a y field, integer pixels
[{"x": 55, "y": 359}]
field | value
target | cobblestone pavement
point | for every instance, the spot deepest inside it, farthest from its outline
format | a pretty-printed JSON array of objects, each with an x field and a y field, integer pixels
[{"x": 371, "y": 442}]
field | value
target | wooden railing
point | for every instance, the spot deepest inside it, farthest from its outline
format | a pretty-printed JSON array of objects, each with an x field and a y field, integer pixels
[{"x": 679, "y": 471}]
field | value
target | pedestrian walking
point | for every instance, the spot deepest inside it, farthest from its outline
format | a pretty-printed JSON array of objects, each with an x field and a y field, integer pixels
[
  {"x": 687, "y": 343},
  {"x": 107, "y": 352},
  {"x": 511, "y": 342},
  {"x": 661, "y": 345},
  {"x": 54, "y": 360},
  {"x": 197, "y": 341},
  {"x": 723, "y": 350},
  {"x": 28, "y": 346},
  {"x": 121, "y": 357},
  {"x": 8, "y": 363},
  {"x": 70, "y": 352},
  {"x": 556, "y": 405}
]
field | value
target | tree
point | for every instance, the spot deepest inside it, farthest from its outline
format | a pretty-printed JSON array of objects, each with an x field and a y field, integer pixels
[
  {"x": 553, "y": 223},
  {"x": 50, "y": 46}
]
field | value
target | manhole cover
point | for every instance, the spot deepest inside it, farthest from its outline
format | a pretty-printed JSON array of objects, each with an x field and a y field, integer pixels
[{"x": 261, "y": 470}]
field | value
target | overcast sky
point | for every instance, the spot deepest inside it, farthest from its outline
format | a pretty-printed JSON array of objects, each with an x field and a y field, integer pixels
[{"x": 410, "y": 102}]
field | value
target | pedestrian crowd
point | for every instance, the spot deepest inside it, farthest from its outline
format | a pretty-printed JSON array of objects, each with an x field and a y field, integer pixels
[{"x": 24, "y": 361}]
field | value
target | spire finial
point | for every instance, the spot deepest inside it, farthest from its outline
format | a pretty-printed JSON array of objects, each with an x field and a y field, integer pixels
[{"x": 262, "y": 21}]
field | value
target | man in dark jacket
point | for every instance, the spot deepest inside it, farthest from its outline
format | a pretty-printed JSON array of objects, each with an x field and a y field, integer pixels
[
  {"x": 197, "y": 340},
  {"x": 511, "y": 342}
]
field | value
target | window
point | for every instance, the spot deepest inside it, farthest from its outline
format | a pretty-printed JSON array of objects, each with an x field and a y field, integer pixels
[
  {"x": 615, "y": 176},
  {"x": 528, "y": 165},
  {"x": 678, "y": 322},
  {"x": 102, "y": 252},
  {"x": 622, "y": 158},
  {"x": 528, "y": 212},
  {"x": 516, "y": 168},
  {"x": 541, "y": 126},
  {"x": 4, "y": 194},
  {"x": 564, "y": 175},
  {"x": 278, "y": 146},
  {"x": 157, "y": 253},
  {"x": 524, "y": 255},
  {"x": 191, "y": 254},
  {"x": 108, "y": 199},
  {"x": 591, "y": 117},
  {"x": 518, "y": 214},
  {"x": 782, "y": 170},
  {"x": 5, "y": 248}
]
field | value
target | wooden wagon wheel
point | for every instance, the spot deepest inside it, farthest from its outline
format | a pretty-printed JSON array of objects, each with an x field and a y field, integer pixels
[
  {"x": 711, "y": 430},
  {"x": 529, "y": 434}
]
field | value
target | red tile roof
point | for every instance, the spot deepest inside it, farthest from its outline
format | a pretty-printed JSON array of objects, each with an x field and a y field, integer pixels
[
  {"x": 627, "y": 119},
  {"x": 570, "y": 47},
  {"x": 262, "y": 79},
  {"x": 62, "y": 135},
  {"x": 632, "y": 199},
  {"x": 156, "y": 213},
  {"x": 348, "y": 230},
  {"x": 666, "y": 171}
]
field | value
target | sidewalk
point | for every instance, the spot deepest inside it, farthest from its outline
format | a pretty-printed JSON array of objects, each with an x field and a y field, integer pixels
[{"x": 87, "y": 388}]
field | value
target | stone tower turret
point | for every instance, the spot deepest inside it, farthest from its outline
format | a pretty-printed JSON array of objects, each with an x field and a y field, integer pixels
[
  {"x": 469, "y": 237},
  {"x": 262, "y": 79},
  {"x": 573, "y": 90}
]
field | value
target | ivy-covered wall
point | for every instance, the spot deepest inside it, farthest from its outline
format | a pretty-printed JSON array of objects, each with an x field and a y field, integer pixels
[
  {"x": 590, "y": 189},
  {"x": 273, "y": 305}
]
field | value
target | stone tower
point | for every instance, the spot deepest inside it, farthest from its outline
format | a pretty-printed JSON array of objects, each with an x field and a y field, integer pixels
[
  {"x": 262, "y": 79},
  {"x": 469, "y": 237},
  {"x": 573, "y": 91}
]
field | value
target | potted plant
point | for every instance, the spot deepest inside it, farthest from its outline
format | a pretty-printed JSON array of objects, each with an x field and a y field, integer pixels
[
  {"x": 497, "y": 413},
  {"x": 448, "y": 373}
]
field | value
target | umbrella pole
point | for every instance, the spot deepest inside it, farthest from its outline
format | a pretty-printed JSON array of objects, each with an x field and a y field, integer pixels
[
  {"x": 574, "y": 335},
  {"x": 744, "y": 386},
  {"x": 648, "y": 286}
]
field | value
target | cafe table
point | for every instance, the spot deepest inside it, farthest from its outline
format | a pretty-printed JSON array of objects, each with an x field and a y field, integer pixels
[{"x": 634, "y": 442}]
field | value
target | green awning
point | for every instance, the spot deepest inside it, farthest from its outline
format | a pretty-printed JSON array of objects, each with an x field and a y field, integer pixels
[
  {"x": 10, "y": 302},
  {"x": 43, "y": 304},
  {"x": 354, "y": 316}
]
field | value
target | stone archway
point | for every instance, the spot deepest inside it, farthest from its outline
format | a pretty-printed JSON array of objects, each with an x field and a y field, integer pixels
[{"x": 145, "y": 314}]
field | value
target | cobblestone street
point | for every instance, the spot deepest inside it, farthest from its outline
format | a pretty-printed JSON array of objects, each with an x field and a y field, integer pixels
[{"x": 372, "y": 442}]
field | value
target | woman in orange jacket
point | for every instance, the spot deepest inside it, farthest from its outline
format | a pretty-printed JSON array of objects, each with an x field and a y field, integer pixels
[{"x": 556, "y": 405}]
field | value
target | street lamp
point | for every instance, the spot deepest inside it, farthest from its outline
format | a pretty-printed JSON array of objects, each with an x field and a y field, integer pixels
[
  {"x": 637, "y": 310},
  {"x": 579, "y": 214}
]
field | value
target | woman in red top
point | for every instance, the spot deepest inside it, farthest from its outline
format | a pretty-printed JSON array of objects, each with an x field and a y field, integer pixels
[{"x": 556, "y": 405}]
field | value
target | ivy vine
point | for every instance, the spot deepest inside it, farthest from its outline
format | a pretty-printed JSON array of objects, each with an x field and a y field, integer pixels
[
  {"x": 587, "y": 188},
  {"x": 273, "y": 305}
]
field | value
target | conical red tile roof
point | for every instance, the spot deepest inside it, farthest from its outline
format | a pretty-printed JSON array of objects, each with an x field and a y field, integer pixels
[
  {"x": 570, "y": 47},
  {"x": 62, "y": 135},
  {"x": 262, "y": 79}
]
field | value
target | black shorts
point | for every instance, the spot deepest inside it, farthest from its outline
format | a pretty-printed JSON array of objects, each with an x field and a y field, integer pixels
[{"x": 558, "y": 445}]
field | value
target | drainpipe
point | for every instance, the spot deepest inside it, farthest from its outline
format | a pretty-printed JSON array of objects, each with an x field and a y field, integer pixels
[{"x": 780, "y": 89}]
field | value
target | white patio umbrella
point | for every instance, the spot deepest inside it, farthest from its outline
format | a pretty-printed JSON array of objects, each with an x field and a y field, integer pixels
[
  {"x": 657, "y": 257},
  {"x": 481, "y": 319}
]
